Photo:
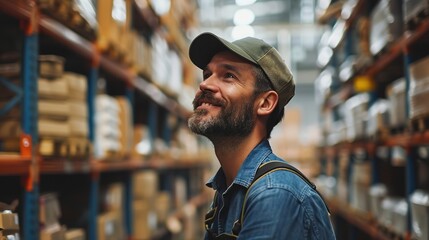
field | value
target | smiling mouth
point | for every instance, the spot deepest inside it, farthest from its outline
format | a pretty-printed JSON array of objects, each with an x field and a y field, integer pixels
[{"x": 203, "y": 104}]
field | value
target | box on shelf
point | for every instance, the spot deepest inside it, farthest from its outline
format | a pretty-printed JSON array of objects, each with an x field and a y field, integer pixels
[
  {"x": 77, "y": 86},
  {"x": 378, "y": 119},
  {"x": 9, "y": 222},
  {"x": 419, "y": 201},
  {"x": 50, "y": 211},
  {"x": 51, "y": 66},
  {"x": 397, "y": 98},
  {"x": 355, "y": 113},
  {"x": 53, "y": 233},
  {"x": 360, "y": 184},
  {"x": 141, "y": 55},
  {"x": 388, "y": 205},
  {"x": 145, "y": 184},
  {"x": 51, "y": 128},
  {"x": 419, "y": 88},
  {"x": 386, "y": 25},
  {"x": 79, "y": 16},
  {"x": 145, "y": 218},
  {"x": 162, "y": 206},
  {"x": 52, "y": 88},
  {"x": 377, "y": 193},
  {"x": 142, "y": 146},
  {"x": 53, "y": 109},
  {"x": 75, "y": 234},
  {"x": 400, "y": 214},
  {"x": 125, "y": 125},
  {"x": 110, "y": 226},
  {"x": 4, "y": 235},
  {"x": 106, "y": 127},
  {"x": 113, "y": 197},
  {"x": 114, "y": 20}
]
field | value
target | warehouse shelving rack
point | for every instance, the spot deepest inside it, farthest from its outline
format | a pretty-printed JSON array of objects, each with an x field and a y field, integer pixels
[
  {"x": 397, "y": 56},
  {"x": 28, "y": 165}
]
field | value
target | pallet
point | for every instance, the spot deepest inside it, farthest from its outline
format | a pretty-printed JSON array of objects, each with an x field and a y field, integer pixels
[{"x": 65, "y": 147}]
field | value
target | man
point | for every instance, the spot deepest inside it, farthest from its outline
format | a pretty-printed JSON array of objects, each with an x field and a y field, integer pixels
[{"x": 245, "y": 88}]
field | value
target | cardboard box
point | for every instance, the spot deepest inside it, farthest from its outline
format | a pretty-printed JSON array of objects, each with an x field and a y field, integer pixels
[
  {"x": 162, "y": 206},
  {"x": 145, "y": 184},
  {"x": 110, "y": 226},
  {"x": 78, "y": 127},
  {"x": 113, "y": 21},
  {"x": 53, "y": 109},
  {"x": 77, "y": 85},
  {"x": 50, "y": 211},
  {"x": 53, "y": 233},
  {"x": 9, "y": 221},
  {"x": 145, "y": 219},
  {"x": 125, "y": 125},
  {"x": 113, "y": 198},
  {"x": 51, "y": 128},
  {"x": 75, "y": 234},
  {"x": 5, "y": 235},
  {"x": 52, "y": 88}
]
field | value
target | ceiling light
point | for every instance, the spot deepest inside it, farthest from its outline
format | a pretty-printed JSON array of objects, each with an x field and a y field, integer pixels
[
  {"x": 239, "y": 32},
  {"x": 244, "y": 2},
  {"x": 244, "y": 17}
]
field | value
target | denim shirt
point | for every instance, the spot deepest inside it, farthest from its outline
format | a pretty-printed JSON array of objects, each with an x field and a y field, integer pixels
[{"x": 279, "y": 205}]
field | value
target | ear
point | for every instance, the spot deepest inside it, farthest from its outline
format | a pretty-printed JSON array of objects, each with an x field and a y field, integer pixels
[{"x": 267, "y": 101}]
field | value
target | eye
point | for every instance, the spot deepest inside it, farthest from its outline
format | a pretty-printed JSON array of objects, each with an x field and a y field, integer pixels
[
  {"x": 229, "y": 75},
  {"x": 206, "y": 74}
]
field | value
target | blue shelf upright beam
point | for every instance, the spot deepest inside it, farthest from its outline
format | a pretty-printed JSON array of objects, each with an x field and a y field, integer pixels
[
  {"x": 128, "y": 206},
  {"x": 93, "y": 206},
  {"x": 29, "y": 127},
  {"x": 153, "y": 121},
  {"x": 90, "y": 98}
]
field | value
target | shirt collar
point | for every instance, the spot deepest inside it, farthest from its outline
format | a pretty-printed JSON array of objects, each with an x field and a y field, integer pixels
[{"x": 247, "y": 170}]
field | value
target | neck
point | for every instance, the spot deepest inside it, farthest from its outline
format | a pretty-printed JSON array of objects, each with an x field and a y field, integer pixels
[{"x": 232, "y": 151}]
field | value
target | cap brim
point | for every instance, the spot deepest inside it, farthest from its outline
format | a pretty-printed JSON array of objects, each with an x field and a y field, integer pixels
[{"x": 206, "y": 45}]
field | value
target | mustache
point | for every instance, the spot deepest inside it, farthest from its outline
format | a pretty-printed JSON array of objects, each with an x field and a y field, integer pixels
[{"x": 207, "y": 97}]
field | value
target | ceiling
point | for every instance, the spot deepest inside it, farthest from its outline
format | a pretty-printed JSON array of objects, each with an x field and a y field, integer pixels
[{"x": 287, "y": 25}]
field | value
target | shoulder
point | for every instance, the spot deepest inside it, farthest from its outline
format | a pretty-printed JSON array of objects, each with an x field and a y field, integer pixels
[{"x": 282, "y": 182}]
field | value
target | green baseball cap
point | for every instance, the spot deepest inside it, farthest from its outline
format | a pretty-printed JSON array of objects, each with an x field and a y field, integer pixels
[{"x": 206, "y": 45}]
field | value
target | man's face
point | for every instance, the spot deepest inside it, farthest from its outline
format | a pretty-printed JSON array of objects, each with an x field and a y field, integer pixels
[{"x": 224, "y": 104}]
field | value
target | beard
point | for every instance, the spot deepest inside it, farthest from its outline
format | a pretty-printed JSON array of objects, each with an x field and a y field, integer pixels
[{"x": 232, "y": 121}]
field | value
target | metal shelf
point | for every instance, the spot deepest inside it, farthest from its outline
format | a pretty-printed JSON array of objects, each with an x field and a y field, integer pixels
[
  {"x": 68, "y": 38},
  {"x": 14, "y": 164},
  {"x": 74, "y": 166}
]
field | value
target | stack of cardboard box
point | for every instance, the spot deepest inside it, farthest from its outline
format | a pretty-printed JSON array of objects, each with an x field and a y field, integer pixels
[{"x": 63, "y": 112}]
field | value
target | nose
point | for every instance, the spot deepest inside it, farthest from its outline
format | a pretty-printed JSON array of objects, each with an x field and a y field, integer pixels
[{"x": 209, "y": 84}]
